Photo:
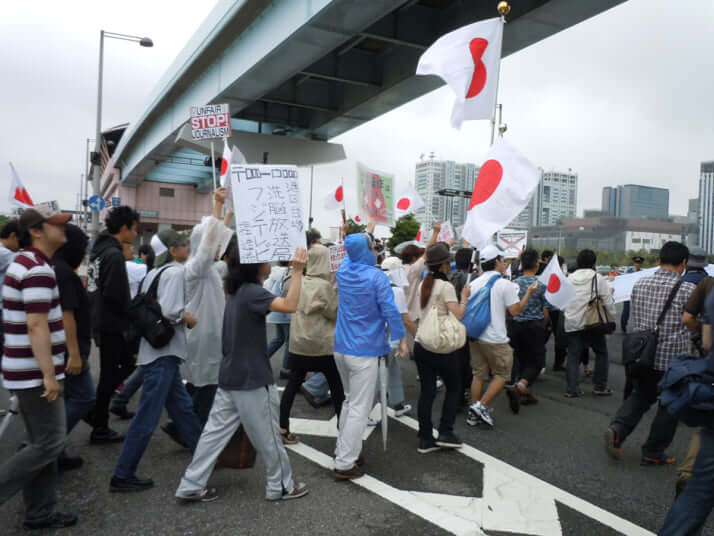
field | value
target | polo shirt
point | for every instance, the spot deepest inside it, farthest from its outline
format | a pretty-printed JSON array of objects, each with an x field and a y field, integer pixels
[{"x": 30, "y": 286}]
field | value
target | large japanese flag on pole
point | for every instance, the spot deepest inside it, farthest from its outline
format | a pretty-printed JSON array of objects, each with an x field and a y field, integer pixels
[
  {"x": 468, "y": 60},
  {"x": 559, "y": 291},
  {"x": 335, "y": 199},
  {"x": 503, "y": 188},
  {"x": 409, "y": 202},
  {"x": 18, "y": 193}
]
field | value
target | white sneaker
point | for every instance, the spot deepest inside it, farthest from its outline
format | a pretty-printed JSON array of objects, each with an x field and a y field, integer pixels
[
  {"x": 403, "y": 410},
  {"x": 439, "y": 383},
  {"x": 484, "y": 413},
  {"x": 472, "y": 419}
]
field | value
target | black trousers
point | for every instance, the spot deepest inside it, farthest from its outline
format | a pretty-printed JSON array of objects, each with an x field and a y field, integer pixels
[
  {"x": 644, "y": 394},
  {"x": 202, "y": 398},
  {"x": 528, "y": 342},
  {"x": 300, "y": 365},
  {"x": 448, "y": 368},
  {"x": 467, "y": 373},
  {"x": 116, "y": 362}
]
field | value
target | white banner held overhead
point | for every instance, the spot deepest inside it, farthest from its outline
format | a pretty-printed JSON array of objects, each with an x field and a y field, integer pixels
[
  {"x": 511, "y": 242},
  {"x": 211, "y": 121},
  {"x": 337, "y": 255},
  {"x": 269, "y": 216},
  {"x": 623, "y": 283},
  {"x": 446, "y": 234}
]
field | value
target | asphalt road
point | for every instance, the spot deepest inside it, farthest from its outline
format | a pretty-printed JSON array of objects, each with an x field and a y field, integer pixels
[{"x": 557, "y": 441}]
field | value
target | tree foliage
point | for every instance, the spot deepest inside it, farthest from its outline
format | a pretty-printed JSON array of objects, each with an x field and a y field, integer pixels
[
  {"x": 353, "y": 227},
  {"x": 405, "y": 229}
]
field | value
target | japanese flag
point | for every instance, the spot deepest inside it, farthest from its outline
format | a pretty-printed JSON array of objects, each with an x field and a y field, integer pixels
[
  {"x": 357, "y": 219},
  {"x": 409, "y": 202},
  {"x": 18, "y": 193},
  {"x": 423, "y": 235},
  {"x": 234, "y": 156},
  {"x": 468, "y": 60},
  {"x": 503, "y": 188},
  {"x": 559, "y": 291},
  {"x": 225, "y": 162},
  {"x": 335, "y": 199}
]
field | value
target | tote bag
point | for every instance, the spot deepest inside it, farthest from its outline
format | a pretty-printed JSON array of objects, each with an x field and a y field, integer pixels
[{"x": 441, "y": 334}]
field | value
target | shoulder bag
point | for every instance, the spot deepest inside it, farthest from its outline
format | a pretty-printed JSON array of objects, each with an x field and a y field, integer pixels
[
  {"x": 597, "y": 320},
  {"x": 441, "y": 334},
  {"x": 146, "y": 318},
  {"x": 639, "y": 348}
]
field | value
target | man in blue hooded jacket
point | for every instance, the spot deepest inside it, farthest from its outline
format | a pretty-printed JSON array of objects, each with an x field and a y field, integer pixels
[{"x": 366, "y": 308}]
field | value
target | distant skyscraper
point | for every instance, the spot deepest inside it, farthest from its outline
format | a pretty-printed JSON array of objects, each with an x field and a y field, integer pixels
[
  {"x": 705, "y": 213},
  {"x": 433, "y": 175},
  {"x": 635, "y": 201},
  {"x": 555, "y": 199}
]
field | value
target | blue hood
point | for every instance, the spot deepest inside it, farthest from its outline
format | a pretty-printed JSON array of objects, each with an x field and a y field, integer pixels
[
  {"x": 358, "y": 250},
  {"x": 366, "y": 304}
]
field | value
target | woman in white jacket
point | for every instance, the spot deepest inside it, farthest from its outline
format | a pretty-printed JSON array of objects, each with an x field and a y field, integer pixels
[{"x": 587, "y": 282}]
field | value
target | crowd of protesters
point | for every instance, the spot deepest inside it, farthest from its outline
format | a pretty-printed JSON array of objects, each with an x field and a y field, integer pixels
[{"x": 213, "y": 373}]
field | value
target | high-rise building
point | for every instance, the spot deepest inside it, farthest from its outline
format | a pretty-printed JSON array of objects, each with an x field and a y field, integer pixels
[
  {"x": 635, "y": 201},
  {"x": 433, "y": 175},
  {"x": 705, "y": 212},
  {"x": 555, "y": 199}
]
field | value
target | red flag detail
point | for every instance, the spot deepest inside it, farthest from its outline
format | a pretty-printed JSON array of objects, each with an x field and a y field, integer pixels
[
  {"x": 339, "y": 195},
  {"x": 553, "y": 283},
  {"x": 478, "y": 81},
  {"x": 487, "y": 182},
  {"x": 224, "y": 166},
  {"x": 23, "y": 197},
  {"x": 403, "y": 203}
]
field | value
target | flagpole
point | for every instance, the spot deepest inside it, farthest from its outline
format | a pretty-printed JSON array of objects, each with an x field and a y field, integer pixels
[
  {"x": 213, "y": 168},
  {"x": 503, "y": 8},
  {"x": 309, "y": 217}
]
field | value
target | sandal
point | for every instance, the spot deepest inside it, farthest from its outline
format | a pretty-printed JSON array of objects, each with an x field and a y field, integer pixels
[{"x": 289, "y": 438}]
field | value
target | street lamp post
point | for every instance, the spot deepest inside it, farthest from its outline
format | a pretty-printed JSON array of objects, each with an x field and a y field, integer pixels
[{"x": 96, "y": 156}]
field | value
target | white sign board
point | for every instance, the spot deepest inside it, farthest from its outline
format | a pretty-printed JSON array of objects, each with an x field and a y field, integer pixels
[
  {"x": 337, "y": 255},
  {"x": 269, "y": 217},
  {"x": 512, "y": 242},
  {"x": 211, "y": 121},
  {"x": 446, "y": 234},
  {"x": 622, "y": 284}
]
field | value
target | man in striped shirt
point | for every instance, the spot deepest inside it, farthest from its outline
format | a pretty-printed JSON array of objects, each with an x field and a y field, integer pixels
[{"x": 33, "y": 367}]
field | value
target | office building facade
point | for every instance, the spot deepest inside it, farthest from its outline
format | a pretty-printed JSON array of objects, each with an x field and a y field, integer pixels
[
  {"x": 432, "y": 176},
  {"x": 635, "y": 201},
  {"x": 554, "y": 200},
  {"x": 705, "y": 216}
]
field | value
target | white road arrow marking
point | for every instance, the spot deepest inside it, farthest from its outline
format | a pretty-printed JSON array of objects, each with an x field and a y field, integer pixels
[{"x": 513, "y": 500}]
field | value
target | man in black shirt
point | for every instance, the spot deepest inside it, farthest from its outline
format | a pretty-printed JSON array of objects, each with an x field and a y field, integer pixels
[{"x": 78, "y": 385}]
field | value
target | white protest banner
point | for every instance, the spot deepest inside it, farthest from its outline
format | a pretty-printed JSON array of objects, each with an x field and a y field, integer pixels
[
  {"x": 269, "y": 216},
  {"x": 447, "y": 233},
  {"x": 337, "y": 255},
  {"x": 211, "y": 121},
  {"x": 623, "y": 284},
  {"x": 511, "y": 242}
]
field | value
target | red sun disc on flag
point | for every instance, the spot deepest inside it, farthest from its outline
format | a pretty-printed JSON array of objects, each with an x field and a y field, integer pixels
[
  {"x": 224, "y": 166},
  {"x": 418, "y": 237},
  {"x": 487, "y": 182},
  {"x": 478, "y": 81},
  {"x": 339, "y": 195},
  {"x": 358, "y": 219},
  {"x": 403, "y": 203},
  {"x": 553, "y": 284}
]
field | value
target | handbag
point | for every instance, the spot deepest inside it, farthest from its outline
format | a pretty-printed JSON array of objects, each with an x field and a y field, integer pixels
[
  {"x": 146, "y": 318},
  {"x": 597, "y": 320},
  {"x": 639, "y": 348},
  {"x": 239, "y": 453},
  {"x": 441, "y": 334}
]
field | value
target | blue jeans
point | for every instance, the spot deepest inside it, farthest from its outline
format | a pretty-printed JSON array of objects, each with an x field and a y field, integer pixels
[
  {"x": 318, "y": 387},
  {"x": 282, "y": 337},
  {"x": 162, "y": 387},
  {"x": 689, "y": 512},
  {"x": 131, "y": 386},
  {"x": 78, "y": 397}
]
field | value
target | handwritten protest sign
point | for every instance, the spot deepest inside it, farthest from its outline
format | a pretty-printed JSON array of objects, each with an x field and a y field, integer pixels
[
  {"x": 337, "y": 255},
  {"x": 512, "y": 242},
  {"x": 447, "y": 233},
  {"x": 269, "y": 217},
  {"x": 375, "y": 191}
]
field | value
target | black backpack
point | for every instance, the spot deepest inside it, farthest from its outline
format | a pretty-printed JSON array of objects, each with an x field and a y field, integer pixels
[{"x": 146, "y": 319}]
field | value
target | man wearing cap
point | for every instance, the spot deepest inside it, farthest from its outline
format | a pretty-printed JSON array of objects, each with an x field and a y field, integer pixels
[
  {"x": 491, "y": 355},
  {"x": 637, "y": 261},
  {"x": 33, "y": 367},
  {"x": 109, "y": 298},
  {"x": 163, "y": 386}
]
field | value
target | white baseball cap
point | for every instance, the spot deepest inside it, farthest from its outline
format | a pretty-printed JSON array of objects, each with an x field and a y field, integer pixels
[{"x": 489, "y": 253}]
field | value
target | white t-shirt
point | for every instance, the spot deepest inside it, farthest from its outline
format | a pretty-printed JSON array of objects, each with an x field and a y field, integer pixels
[
  {"x": 503, "y": 295},
  {"x": 135, "y": 272},
  {"x": 400, "y": 300}
]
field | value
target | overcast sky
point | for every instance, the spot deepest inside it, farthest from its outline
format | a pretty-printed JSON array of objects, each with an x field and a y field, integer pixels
[{"x": 625, "y": 97}]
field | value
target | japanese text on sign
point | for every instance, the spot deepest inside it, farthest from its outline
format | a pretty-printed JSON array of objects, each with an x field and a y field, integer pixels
[
  {"x": 269, "y": 219},
  {"x": 212, "y": 121},
  {"x": 375, "y": 195},
  {"x": 337, "y": 255},
  {"x": 447, "y": 233}
]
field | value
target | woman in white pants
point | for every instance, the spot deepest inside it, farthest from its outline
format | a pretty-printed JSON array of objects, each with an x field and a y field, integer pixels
[{"x": 246, "y": 390}]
